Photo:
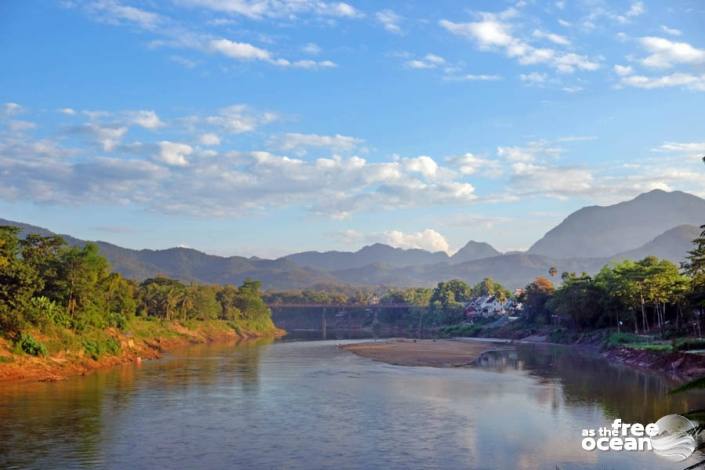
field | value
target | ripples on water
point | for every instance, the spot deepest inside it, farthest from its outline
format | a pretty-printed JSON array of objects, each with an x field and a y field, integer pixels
[{"x": 309, "y": 405}]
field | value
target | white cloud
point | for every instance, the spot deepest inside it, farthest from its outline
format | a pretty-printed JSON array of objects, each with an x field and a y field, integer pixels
[
  {"x": 108, "y": 137},
  {"x": 112, "y": 11},
  {"x": 534, "y": 78},
  {"x": 239, "y": 50},
  {"x": 389, "y": 20},
  {"x": 427, "y": 239},
  {"x": 493, "y": 32},
  {"x": 685, "y": 80},
  {"x": 146, "y": 119},
  {"x": 623, "y": 70},
  {"x": 470, "y": 164},
  {"x": 531, "y": 152},
  {"x": 665, "y": 53},
  {"x": 174, "y": 153},
  {"x": 554, "y": 38},
  {"x": 209, "y": 139},
  {"x": 424, "y": 165},
  {"x": 636, "y": 9},
  {"x": 429, "y": 61},
  {"x": 68, "y": 111},
  {"x": 311, "y": 48},
  {"x": 240, "y": 119},
  {"x": 671, "y": 31},
  {"x": 471, "y": 77},
  {"x": 258, "y": 9},
  {"x": 10, "y": 109},
  {"x": 683, "y": 148},
  {"x": 294, "y": 141},
  {"x": 172, "y": 33}
]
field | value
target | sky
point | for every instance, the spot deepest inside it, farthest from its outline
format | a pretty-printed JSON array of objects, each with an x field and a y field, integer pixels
[{"x": 265, "y": 127}]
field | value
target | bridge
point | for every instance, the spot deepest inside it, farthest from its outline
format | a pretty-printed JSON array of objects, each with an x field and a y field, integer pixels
[
  {"x": 322, "y": 317},
  {"x": 341, "y": 306}
]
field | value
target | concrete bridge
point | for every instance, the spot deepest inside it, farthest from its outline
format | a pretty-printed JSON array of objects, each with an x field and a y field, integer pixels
[{"x": 323, "y": 317}]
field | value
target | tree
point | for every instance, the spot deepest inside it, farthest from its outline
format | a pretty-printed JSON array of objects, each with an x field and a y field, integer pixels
[
  {"x": 580, "y": 299},
  {"x": 489, "y": 287},
  {"x": 535, "y": 296},
  {"x": 18, "y": 282},
  {"x": 694, "y": 266}
]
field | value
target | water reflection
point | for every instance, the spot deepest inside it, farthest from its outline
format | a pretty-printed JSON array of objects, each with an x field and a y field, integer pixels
[
  {"x": 307, "y": 404},
  {"x": 585, "y": 378}
]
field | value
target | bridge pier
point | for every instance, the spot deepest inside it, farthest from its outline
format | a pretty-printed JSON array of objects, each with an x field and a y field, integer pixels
[{"x": 324, "y": 326}]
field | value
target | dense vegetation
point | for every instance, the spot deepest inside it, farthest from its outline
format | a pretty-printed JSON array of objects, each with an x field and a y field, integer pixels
[
  {"x": 46, "y": 284},
  {"x": 651, "y": 296},
  {"x": 648, "y": 296}
]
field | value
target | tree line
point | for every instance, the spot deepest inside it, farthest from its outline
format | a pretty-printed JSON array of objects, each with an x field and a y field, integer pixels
[
  {"x": 44, "y": 281},
  {"x": 650, "y": 295}
]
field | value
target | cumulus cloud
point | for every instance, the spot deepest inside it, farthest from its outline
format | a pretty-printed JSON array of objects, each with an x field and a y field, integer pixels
[
  {"x": 239, "y": 50},
  {"x": 428, "y": 239},
  {"x": 429, "y": 61},
  {"x": 685, "y": 80},
  {"x": 554, "y": 38},
  {"x": 172, "y": 33},
  {"x": 239, "y": 119},
  {"x": 209, "y": 138},
  {"x": 493, "y": 32},
  {"x": 470, "y": 164},
  {"x": 671, "y": 31},
  {"x": 664, "y": 53},
  {"x": 300, "y": 143},
  {"x": 174, "y": 153},
  {"x": 173, "y": 176},
  {"x": 683, "y": 148},
  {"x": 112, "y": 11},
  {"x": 258, "y": 9},
  {"x": 534, "y": 78},
  {"x": 389, "y": 20},
  {"x": 146, "y": 119},
  {"x": 10, "y": 109}
]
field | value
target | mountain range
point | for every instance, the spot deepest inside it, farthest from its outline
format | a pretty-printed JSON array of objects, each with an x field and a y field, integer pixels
[{"x": 656, "y": 223}]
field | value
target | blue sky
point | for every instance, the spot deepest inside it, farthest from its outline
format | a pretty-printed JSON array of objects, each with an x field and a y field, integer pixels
[{"x": 263, "y": 127}]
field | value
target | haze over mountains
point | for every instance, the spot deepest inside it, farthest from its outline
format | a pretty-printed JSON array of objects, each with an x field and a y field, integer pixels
[{"x": 657, "y": 223}]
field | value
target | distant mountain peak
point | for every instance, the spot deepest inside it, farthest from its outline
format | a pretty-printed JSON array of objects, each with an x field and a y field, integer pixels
[
  {"x": 474, "y": 250},
  {"x": 604, "y": 231}
]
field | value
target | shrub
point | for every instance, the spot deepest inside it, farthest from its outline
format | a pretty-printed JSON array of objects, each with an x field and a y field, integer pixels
[
  {"x": 31, "y": 346},
  {"x": 96, "y": 348}
]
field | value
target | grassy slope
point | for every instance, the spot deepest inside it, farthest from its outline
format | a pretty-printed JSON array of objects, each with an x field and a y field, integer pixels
[{"x": 70, "y": 353}]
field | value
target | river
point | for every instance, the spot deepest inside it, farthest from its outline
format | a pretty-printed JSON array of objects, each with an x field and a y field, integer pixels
[{"x": 307, "y": 404}]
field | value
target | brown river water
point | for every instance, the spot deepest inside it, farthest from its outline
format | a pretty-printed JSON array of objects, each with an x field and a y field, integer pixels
[{"x": 309, "y": 405}]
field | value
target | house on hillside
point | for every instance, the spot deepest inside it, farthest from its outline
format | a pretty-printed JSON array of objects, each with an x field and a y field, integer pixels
[
  {"x": 489, "y": 306},
  {"x": 484, "y": 306}
]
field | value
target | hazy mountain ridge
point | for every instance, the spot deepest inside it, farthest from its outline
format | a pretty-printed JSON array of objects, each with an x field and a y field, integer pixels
[
  {"x": 370, "y": 254},
  {"x": 380, "y": 264},
  {"x": 605, "y": 231}
]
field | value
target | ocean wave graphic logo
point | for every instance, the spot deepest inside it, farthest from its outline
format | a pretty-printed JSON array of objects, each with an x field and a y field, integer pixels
[{"x": 674, "y": 440}]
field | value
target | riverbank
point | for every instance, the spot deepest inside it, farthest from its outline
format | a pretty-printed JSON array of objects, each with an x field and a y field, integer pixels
[
  {"x": 70, "y": 354},
  {"x": 669, "y": 357},
  {"x": 429, "y": 353}
]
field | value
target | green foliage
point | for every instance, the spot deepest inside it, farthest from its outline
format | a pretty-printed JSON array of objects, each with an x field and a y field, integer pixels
[
  {"x": 28, "y": 344},
  {"x": 48, "y": 285},
  {"x": 535, "y": 297},
  {"x": 621, "y": 338},
  {"x": 461, "y": 329},
  {"x": 580, "y": 299},
  {"x": 96, "y": 347},
  {"x": 490, "y": 287}
]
